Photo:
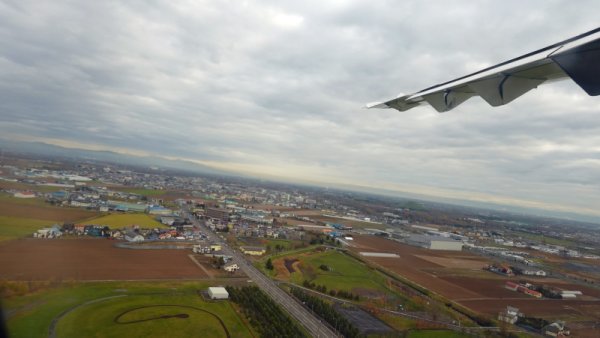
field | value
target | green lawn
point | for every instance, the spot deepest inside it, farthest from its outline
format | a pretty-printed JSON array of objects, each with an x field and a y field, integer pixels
[
  {"x": 15, "y": 227},
  {"x": 122, "y": 220},
  {"x": 144, "y": 192},
  {"x": 345, "y": 273},
  {"x": 30, "y": 316}
]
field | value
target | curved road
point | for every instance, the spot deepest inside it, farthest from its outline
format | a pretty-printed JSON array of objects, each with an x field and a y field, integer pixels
[{"x": 311, "y": 323}]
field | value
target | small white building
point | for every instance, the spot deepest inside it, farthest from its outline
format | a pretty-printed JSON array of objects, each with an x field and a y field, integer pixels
[
  {"x": 24, "y": 194},
  {"x": 231, "y": 267},
  {"x": 218, "y": 292},
  {"x": 510, "y": 315}
]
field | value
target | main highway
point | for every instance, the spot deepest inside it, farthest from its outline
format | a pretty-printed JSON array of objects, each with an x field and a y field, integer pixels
[{"x": 312, "y": 324}]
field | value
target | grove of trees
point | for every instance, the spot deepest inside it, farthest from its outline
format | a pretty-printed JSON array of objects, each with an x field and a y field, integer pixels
[{"x": 264, "y": 314}]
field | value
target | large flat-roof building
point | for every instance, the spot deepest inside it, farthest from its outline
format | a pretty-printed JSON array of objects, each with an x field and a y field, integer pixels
[
  {"x": 218, "y": 292},
  {"x": 435, "y": 242},
  {"x": 221, "y": 214}
]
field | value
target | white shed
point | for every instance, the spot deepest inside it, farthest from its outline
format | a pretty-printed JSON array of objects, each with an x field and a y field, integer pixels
[{"x": 218, "y": 293}]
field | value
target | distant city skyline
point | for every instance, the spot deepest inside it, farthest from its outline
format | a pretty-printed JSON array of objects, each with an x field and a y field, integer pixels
[{"x": 275, "y": 90}]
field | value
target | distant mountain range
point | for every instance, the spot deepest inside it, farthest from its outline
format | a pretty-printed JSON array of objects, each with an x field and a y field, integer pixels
[{"x": 44, "y": 149}]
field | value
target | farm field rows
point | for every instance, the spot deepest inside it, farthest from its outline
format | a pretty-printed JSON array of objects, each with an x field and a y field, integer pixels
[
  {"x": 91, "y": 259},
  {"x": 434, "y": 270}
]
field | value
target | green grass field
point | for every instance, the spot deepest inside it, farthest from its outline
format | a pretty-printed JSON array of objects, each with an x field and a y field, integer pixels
[
  {"x": 345, "y": 273},
  {"x": 144, "y": 192},
  {"x": 122, "y": 220},
  {"x": 93, "y": 314},
  {"x": 15, "y": 227}
]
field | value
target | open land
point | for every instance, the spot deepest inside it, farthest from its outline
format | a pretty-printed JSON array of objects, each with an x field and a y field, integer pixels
[
  {"x": 15, "y": 227},
  {"x": 437, "y": 271},
  {"x": 119, "y": 220},
  {"x": 26, "y": 208},
  {"x": 7, "y": 185},
  {"x": 122, "y": 309},
  {"x": 344, "y": 273},
  {"x": 22, "y": 217},
  {"x": 91, "y": 259}
]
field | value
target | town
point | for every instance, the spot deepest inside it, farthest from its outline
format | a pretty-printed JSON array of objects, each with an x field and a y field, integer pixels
[{"x": 284, "y": 229}]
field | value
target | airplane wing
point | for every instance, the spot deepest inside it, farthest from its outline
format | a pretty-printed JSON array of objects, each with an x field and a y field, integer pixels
[{"x": 577, "y": 58}]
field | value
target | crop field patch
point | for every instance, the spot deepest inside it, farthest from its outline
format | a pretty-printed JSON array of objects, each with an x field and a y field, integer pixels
[
  {"x": 455, "y": 262},
  {"x": 15, "y": 227},
  {"x": 118, "y": 220},
  {"x": 34, "y": 208},
  {"x": 433, "y": 270},
  {"x": 91, "y": 259}
]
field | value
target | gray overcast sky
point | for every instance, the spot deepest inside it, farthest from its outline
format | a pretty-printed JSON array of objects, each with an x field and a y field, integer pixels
[{"x": 276, "y": 88}]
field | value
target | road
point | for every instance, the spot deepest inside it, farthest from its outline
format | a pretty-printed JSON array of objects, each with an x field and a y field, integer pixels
[{"x": 310, "y": 322}]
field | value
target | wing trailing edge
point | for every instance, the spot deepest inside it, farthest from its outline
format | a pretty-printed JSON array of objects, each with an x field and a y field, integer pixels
[{"x": 577, "y": 58}]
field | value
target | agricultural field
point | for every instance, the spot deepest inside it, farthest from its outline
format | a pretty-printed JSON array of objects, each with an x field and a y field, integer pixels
[
  {"x": 123, "y": 309},
  {"x": 119, "y": 220},
  {"x": 440, "y": 272},
  {"x": 27, "y": 208},
  {"x": 24, "y": 187},
  {"x": 16, "y": 227},
  {"x": 22, "y": 217},
  {"x": 89, "y": 259}
]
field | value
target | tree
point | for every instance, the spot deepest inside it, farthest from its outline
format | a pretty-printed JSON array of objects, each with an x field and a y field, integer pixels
[{"x": 269, "y": 264}]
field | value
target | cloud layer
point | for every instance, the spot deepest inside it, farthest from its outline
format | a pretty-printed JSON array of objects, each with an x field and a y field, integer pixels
[{"x": 276, "y": 88}]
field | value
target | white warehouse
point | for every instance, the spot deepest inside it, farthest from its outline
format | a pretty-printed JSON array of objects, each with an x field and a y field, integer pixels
[
  {"x": 435, "y": 242},
  {"x": 218, "y": 292}
]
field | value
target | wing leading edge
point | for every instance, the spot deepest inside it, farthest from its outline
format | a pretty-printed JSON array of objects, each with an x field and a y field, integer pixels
[{"x": 577, "y": 58}]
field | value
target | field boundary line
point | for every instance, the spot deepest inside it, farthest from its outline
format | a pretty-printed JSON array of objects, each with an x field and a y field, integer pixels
[{"x": 210, "y": 275}]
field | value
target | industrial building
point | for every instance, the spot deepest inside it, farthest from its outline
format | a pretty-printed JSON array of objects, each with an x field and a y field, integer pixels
[
  {"x": 435, "y": 242},
  {"x": 218, "y": 292},
  {"x": 220, "y": 214}
]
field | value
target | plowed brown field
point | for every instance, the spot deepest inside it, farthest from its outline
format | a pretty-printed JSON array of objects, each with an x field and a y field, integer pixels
[
  {"x": 91, "y": 259},
  {"x": 457, "y": 275}
]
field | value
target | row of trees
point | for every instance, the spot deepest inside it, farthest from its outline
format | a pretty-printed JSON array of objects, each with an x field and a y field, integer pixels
[
  {"x": 263, "y": 314},
  {"x": 327, "y": 312},
  {"x": 320, "y": 239},
  {"x": 334, "y": 293}
]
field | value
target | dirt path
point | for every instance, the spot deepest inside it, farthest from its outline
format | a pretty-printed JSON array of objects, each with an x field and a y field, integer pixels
[{"x": 208, "y": 273}]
